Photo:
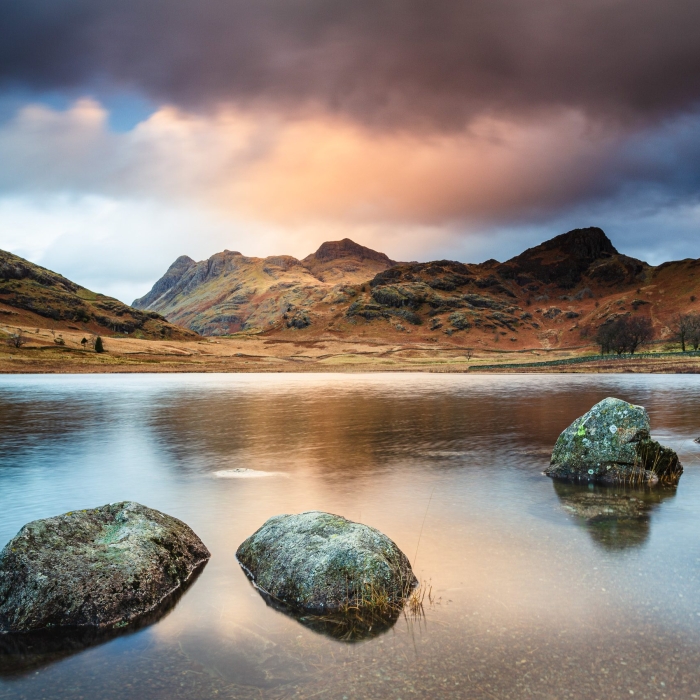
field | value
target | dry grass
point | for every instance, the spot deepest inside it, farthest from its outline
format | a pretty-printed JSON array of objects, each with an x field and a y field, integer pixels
[{"x": 415, "y": 603}]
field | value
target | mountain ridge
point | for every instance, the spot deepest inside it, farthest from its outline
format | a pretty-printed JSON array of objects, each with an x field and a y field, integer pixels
[
  {"x": 230, "y": 292},
  {"x": 555, "y": 294}
]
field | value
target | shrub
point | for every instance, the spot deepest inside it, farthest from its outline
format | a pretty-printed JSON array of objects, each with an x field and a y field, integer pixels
[
  {"x": 460, "y": 321},
  {"x": 16, "y": 340},
  {"x": 99, "y": 346}
]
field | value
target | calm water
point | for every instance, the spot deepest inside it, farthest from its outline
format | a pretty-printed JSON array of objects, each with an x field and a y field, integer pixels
[{"x": 542, "y": 590}]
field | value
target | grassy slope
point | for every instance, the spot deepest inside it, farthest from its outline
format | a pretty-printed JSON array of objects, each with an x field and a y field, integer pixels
[{"x": 31, "y": 295}]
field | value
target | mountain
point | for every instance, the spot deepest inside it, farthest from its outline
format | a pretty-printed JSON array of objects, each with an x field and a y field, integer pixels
[
  {"x": 564, "y": 260},
  {"x": 230, "y": 292},
  {"x": 556, "y": 294},
  {"x": 34, "y": 296}
]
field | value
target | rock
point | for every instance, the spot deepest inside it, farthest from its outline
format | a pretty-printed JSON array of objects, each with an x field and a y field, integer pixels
[
  {"x": 102, "y": 568},
  {"x": 611, "y": 444},
  {"x": 323, "y": 563}
]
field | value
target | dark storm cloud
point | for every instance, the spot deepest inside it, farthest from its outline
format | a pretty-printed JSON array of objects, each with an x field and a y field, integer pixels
[{"x": 436, "y": 62}]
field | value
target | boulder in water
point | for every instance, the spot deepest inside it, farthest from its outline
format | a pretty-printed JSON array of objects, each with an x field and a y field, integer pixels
[
  {"x": 103, "y": 568},
  {"x": 323, "y": 563},
  {"x": 611, "y": 444}
]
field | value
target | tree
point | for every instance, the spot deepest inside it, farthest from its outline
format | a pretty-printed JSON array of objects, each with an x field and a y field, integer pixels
[
  {"x": 694, "y": 330},
  {"x": 624, "y": 334},
  {"x": 682, "y": 327},
  {"x": 99, "y": 347},
  {"x": 84, "y": 343},
  {"x": 638, "y": 331},
  {"x": 605, "y": 337},
  {"x": 16, "y": 340}
]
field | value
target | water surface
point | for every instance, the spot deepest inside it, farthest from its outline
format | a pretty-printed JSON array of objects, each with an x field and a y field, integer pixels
[{"x": 542, "y": 590}]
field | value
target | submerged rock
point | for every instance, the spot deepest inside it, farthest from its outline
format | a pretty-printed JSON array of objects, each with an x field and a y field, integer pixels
[
  {"x": 103, "y": 568},
  {"x": 323, "y": 563},
  {"x": 611, "y": 444}
]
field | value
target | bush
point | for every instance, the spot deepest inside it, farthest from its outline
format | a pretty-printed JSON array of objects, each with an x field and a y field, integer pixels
[
  {"x": 460, "y": 321},
  {"x": 99, "y": 346},
  {"x": 16, "y": 340}
]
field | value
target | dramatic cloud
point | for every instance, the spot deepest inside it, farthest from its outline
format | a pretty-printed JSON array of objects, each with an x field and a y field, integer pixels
[
  {"x": 398, "y": 61},
  {"x": 423, "y": 128},
  {"x": 260, "y": 167}
]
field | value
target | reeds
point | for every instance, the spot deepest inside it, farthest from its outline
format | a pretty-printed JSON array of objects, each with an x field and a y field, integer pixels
[{"x": 415, "y": 601}]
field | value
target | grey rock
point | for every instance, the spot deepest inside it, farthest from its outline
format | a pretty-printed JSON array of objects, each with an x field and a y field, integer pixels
[
  {"x": 323, "y": 563},
  {"x": 104, "y": 568},
  {"x": 611, "y": 444}
]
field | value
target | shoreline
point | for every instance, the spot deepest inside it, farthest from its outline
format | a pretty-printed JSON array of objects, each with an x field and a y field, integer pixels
[{"x": 47, "y": 352}]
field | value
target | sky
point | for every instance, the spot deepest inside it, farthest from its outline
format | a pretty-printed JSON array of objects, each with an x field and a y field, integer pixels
[{"x": 135, "y": 131}]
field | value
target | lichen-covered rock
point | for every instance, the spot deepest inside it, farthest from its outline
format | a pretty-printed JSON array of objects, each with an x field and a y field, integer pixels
[
  {"x": 104, "y": 567},
  {"x": 611, "y": 444},
  {"x": 323, "y": 563}
]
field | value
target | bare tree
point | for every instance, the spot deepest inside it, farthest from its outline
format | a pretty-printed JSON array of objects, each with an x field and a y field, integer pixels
[
  {"x": 625, "y": 334},
  {"x": 682, "y": 327},
  {"x": 693, "y": 337},
  {"x": 605, "y": 337},
  {"x": 638, "y": 331},
  {"x": 16, "y": 340}
]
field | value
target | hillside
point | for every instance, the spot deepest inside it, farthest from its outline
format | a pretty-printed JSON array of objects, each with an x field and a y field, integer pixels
[
  {"x": 554, "y": 295},
  {"x": 34, "y": 296},
  {"x": 230, "y": 292}
]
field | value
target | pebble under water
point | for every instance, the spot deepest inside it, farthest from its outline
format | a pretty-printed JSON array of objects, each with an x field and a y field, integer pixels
[{"x": 539, "y": 589}]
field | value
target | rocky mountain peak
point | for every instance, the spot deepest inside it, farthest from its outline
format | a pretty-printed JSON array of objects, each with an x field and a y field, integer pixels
[
  {"x": 562, "y": 260},
  {"x": 585, "y": 243},
  {"x": 346, "y": 248}
]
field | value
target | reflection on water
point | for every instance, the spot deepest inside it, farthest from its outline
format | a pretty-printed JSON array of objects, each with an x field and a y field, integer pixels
[
  {"x": 352, "y": 626},
  {"x": 616, "y": 517},
  {"x": 21, "y": 653},
  {"x": 539, "y": 591}
]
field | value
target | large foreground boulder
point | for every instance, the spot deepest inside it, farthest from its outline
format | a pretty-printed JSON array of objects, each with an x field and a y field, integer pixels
[
  {"x": 611, "y": 444},
  {"x": 323, "y": 563},
  {"x": 102, "y": 568}
]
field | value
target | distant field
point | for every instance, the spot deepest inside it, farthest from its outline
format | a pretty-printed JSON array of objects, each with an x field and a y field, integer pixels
[{"x": 258, "y": 353}]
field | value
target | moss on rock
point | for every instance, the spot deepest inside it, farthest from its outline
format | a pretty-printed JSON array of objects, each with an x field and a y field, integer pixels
[
  {"x": 103, "y": 568},
  {"x": 611, "y": 444}
]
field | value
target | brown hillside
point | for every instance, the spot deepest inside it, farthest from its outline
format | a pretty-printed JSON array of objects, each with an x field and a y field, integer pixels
[
  {"x": 31, "y": 295},
  {"x": 231, "y": 292},
  {"x": 554, "y": 295}
]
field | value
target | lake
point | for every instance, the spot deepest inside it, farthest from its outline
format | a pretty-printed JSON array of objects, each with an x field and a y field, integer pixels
[{"x": 540, "y": 589}]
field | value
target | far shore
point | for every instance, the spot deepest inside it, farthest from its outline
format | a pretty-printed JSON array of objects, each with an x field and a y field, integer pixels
[{"x": 261, "y": 353}]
